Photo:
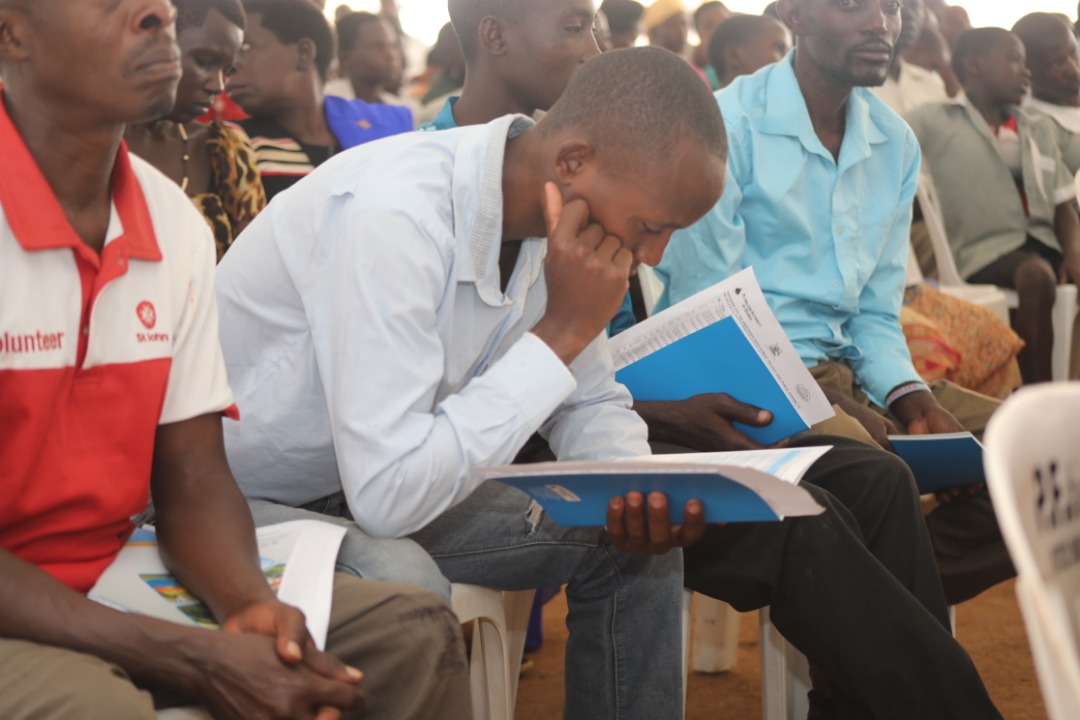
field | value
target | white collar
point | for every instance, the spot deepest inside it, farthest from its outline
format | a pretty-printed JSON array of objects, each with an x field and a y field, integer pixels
[{"x": 1065, "y": 116}]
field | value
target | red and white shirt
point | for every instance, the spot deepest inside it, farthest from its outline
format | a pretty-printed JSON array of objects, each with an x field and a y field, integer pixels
[{"x": 95, "y": 353}]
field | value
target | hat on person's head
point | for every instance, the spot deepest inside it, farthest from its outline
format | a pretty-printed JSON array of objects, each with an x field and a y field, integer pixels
[{"x": 661, "y": 11}]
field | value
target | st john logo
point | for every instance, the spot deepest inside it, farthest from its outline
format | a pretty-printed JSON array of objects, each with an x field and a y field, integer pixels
[{"x": 147, "y": 314}]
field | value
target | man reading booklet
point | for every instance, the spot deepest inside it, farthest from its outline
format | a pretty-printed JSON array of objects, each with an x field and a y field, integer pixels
[{"x": 422, "y": 305}]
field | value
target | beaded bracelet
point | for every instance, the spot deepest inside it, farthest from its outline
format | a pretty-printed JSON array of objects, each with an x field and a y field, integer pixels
[{"x": 902, "y": 390}]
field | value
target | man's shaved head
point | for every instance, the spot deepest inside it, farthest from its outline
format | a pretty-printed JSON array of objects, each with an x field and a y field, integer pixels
[
  {"x": 1039, "y": 30},
  {"x": 1052, "y": 57},
  {"x": 978, "y": 42},
  {"x": 466, "y": 15},
  {"x": 622, "y": 100}
]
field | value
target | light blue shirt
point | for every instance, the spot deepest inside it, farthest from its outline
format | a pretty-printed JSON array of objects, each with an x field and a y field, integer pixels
[
  {"x": 372, "y": 350},
  {"x": 828, "y": 240},
  {"x": 445, "y": 119}
]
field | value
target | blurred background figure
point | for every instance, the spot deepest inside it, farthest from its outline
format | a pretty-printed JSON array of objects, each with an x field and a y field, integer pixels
[
  {"x": 953, "y": 20},
  {"x": 213, "y": 163},
  {"x": 279, "y": 82},
  {"x": 370, "y": 60},
  {"x": 445, "y": 75},
  {"x": 667, "y": 25},
  {"x": 746, "y": 43},
  {"x": 1055, "y": 78},
  {"x": 932, "y": 52},
  {"x": 910, "y": 85},
  {"x": 707, "y": 18},
  {"x": 602, "y": 32},
  {"x": 624, "y": 21}
]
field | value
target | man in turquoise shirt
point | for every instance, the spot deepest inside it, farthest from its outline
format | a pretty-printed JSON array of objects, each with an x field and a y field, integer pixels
[{"x": 821, "y": 179}]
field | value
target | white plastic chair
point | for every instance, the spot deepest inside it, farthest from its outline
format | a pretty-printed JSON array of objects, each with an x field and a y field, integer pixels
[
  {"x": 498, "y": 640},
  {"x": 1033, "y": 472},
  {"x": 997, "y": 299}
]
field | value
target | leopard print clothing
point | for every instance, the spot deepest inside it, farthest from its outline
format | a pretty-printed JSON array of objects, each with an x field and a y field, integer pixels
[{"x": 237, "y": 193}]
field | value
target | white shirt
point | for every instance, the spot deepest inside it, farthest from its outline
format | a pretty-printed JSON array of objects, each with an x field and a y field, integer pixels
[
  {"x": 372, "y": 350},
  {"x": 917, "y": 86},
  {"x": 1066, "y": 116}
]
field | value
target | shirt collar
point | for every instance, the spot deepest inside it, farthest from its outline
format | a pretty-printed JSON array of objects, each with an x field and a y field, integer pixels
[
  {"x": 478, "y": 203},
  {"x": 786, "y": 114},
  {"x": 445, "y": 119},
  {"x": 983, "y": 127},
  {"x": 1065, "y": 116},
  {"x": 35, "y": 216}
]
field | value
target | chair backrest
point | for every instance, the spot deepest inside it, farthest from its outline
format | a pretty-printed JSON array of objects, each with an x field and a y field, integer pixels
[
  {"x": 935, "y": 227},
  {"x": 1033, "y": 471}
]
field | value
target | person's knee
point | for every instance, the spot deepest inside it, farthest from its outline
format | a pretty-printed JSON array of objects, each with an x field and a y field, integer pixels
[
  {"x": 893, "y": 473},
  {"x": 395, "y": 561},
  {"x": 392, "y": 620},
  {"x": 96, "y": 690},
  {"x": 1036, "y": 280}
]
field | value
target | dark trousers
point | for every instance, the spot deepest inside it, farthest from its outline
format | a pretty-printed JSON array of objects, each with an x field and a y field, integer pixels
[{"x": 855, "y": 589}]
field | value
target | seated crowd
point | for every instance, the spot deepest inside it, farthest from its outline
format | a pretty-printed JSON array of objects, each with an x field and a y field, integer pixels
[{"x": 304, "y": 279}]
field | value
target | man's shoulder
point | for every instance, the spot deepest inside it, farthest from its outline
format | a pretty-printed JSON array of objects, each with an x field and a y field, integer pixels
[
  {"x": 181, "y": 232},
  {"x": 934, "y": 121},
  {"x": 170, "y": 208},
  {"x": 1040, "y": 124},
  {"x": 746, "y": 95}
]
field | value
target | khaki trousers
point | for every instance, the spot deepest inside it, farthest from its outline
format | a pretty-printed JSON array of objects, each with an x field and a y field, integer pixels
[{"x": 405, "y": 640}]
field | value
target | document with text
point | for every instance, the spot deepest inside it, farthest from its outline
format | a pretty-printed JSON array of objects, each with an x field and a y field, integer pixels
[
  {"x": 723, "y": 339},
  {"x": 744, "y": 486},
  {"x": 297, "y": 559}
]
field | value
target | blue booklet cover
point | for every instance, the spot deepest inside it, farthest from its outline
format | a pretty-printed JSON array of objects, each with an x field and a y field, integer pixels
[
  {"x": 940, "y": 462},
  {"x": 582, "y": 500},
  {"x": 717, "y": 358}
]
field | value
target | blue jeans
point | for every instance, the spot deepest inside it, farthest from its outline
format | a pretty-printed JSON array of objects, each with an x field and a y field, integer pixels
[
  {"x": 624, "y": 651},
  {"x": 391, "y": 560}
]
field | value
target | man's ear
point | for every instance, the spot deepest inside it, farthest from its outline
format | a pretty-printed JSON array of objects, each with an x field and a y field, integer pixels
[
  {"x": 305, "y": 54},
  {"x": 12, "y": 45},
  {"x": 576, "y": 156},
  {"x": 492, "y": 35}
]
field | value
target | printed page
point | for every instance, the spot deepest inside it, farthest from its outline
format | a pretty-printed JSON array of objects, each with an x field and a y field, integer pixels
[
  {"x": 787, "y": 464},
  {"x": 577, "y": 493},
  {"x": 308, "y": 582},
  {"x": 297, "y": 559},
  {"x": 741, "y": 298}
]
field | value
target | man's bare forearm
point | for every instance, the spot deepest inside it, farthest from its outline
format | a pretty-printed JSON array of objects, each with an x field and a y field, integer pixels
[
  {"x": 205, "y": 530},
  {"x": 36, "y": 607}
]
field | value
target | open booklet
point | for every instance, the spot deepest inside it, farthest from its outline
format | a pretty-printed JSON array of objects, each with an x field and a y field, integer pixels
[
  {"x": 744, "y": 486},
  {"x": 940, "y": 462},
  {"x": 723, "y": 339},
  {"x": 297, "y": 559}
]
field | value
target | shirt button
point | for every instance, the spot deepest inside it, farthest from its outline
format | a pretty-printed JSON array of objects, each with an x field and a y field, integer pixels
[
  {"x": 840, "y": 230},
  {"x": 85, "y": 330},
  {"x": 836, "y": 283}
]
